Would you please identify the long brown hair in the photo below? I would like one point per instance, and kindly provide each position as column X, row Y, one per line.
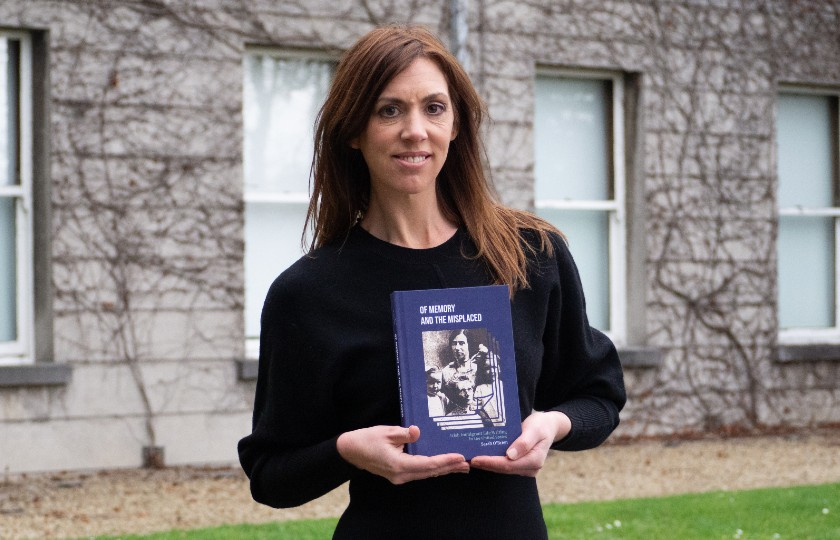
column 341, row 180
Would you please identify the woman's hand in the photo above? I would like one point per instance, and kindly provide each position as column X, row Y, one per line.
column 379, row 450
column 526, row 455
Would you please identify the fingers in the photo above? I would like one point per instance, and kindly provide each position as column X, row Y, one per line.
column 524, row 444
column 421, row 467
column 526, row 455
column 379, row 450
column 520, row 447
column 526, row 466
column 539, row 430
column 409, row 467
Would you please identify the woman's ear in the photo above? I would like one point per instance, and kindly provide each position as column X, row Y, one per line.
column 354, row 143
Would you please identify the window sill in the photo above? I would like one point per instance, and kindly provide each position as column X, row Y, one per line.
column 246, row 370
column 45, row 374
column 640, row 357
column 788, row 354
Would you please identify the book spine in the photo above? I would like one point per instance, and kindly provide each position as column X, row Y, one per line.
column 402, row 371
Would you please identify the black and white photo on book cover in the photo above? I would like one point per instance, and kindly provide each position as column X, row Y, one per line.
column 463, row 385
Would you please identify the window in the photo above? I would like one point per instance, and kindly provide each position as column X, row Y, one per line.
column 16, row 205
column 283, row 94
column 579, row 184
column 809, row 217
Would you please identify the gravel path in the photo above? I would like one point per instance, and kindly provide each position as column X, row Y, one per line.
column 73, row 505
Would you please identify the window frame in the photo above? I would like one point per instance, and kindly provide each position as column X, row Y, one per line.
column 252, row 344
column 813, row 335
column 21, row 350
column 617, row 205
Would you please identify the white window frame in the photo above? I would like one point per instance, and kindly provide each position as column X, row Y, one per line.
column 616, row 206
column 252, row 343
column 802, row 335
column 21, row 350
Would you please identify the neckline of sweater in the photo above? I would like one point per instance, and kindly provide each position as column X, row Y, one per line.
column 449, row 248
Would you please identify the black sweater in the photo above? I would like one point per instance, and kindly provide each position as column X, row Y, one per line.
column 327, row 365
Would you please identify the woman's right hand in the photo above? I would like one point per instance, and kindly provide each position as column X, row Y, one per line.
column 379, row 450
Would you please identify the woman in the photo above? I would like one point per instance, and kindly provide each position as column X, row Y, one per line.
column 400, row 202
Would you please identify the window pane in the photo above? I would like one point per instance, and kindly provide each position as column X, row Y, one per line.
column 272, row 240
column 806, row 272
column 588, row 241
column 805, row 153
column 282, row 99
column 571, row 134
column 8, row 271
column 9, row 69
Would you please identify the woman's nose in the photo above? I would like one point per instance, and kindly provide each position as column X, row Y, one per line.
column 414, row 128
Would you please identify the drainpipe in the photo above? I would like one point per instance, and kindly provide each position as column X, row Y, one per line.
column 458, row 31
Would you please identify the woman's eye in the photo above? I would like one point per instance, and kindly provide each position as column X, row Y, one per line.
column 389, row 111
column 436, row 108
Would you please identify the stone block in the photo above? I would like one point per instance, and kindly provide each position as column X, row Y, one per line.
column 709, row 69
column 89, row 128
column 510, row 146
column 153, row 236
column 324, row 34
column 718, row 283
column 28, row 403
column 101, row 443
column 104, row 336
column 114, row 390
column 680, row 323
column 203, row 438
column 164, row 182
column 708, row 155
column 806, row 376
column 618, row 21
column 695, row 110
column 799, row 408
column 510, row 101
column 93, row 285
column 710, row 197
column 675, row 238
column 515, row 188
column 503, row 57
column 121, row 79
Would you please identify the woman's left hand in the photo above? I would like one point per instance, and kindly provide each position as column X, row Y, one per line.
column 526, row 455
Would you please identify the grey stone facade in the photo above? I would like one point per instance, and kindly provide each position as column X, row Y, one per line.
column 139, row 283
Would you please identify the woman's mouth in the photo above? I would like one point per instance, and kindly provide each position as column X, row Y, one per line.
column 413, row 158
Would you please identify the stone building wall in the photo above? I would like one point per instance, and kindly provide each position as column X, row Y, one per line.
column 143, row 267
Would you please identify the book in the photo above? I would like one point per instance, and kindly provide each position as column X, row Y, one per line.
column 457, row 369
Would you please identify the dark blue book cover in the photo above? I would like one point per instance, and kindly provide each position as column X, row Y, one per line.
column 457, row 370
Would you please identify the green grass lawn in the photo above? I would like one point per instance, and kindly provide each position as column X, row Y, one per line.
column 808, row 512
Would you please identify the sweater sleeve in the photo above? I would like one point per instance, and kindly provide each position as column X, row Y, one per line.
column 291, row 455
column 582, row 375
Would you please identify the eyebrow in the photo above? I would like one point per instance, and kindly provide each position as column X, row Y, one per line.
column 430, row 97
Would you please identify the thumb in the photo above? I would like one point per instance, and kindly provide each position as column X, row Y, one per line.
column 406, row 435
column 514, row 452
column 518, row 448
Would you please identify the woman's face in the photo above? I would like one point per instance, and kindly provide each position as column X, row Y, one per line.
column 407, row 137
column 460, row 348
